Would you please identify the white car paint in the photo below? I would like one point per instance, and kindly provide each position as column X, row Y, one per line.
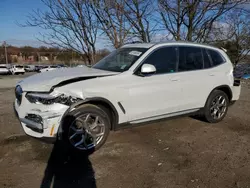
column 81, row 66
column 4, row 69
column 17, row 69
column 143, row 98
column 48, row 79
column 48, row 68
column 29, row 68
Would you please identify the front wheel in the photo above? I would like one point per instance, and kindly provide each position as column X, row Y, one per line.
column 86, row 128
column 216, row 106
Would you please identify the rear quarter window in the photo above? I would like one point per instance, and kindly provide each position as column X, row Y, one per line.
column 216, row 57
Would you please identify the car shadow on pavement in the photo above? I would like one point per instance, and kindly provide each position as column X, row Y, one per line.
column 68, row 168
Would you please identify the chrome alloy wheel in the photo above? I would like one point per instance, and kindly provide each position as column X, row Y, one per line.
column 218, row 107
column 86, row 131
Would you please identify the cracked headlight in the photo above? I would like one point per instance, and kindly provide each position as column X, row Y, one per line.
column 47, row 99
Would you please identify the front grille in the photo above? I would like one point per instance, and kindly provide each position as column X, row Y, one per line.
column 18, row 93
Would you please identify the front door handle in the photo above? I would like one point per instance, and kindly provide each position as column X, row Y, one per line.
column 211, row 74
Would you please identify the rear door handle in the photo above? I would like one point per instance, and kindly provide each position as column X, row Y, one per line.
column 211, row 74
column 174, row 79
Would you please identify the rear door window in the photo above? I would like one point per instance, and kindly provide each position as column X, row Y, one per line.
column 190, row 58
column 207, row 62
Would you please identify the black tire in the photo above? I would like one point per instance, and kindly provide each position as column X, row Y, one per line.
column 80, row 112
column 211, row 102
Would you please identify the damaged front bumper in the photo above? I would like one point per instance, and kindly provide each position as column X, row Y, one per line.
column 38, row 120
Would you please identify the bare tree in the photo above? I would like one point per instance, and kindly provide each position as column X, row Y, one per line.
column 238, row 22
column 193, row 20
column 140, row 14
column 69, row 24
column 125, row 20
column 113, row 22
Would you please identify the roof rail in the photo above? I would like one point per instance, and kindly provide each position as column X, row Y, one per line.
column 133, row 42
column 223, row 49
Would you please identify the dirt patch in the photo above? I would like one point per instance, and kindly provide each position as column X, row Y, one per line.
column 177, row 153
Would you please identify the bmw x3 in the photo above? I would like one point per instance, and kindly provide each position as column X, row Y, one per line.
column 135, row 84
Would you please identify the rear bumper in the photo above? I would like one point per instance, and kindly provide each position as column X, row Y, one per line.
column 236, row 89
column 4, row 72
column 18, row 71
column 236, row 82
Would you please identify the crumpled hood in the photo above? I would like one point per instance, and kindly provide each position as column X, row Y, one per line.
column 43, row 82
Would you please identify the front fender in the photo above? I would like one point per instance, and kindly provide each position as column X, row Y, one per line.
column 90, row 100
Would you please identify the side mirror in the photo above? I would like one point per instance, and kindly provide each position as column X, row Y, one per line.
column 148, row 68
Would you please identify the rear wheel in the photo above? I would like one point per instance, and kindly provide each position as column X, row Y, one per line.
column 86, row 128
column 216, row 106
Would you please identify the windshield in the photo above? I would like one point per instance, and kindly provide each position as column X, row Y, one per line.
column 120, row 60
column 19, row 66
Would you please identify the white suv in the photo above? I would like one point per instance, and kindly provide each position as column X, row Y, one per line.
column 135, row 84
column 17, row 69
column 4, row 69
